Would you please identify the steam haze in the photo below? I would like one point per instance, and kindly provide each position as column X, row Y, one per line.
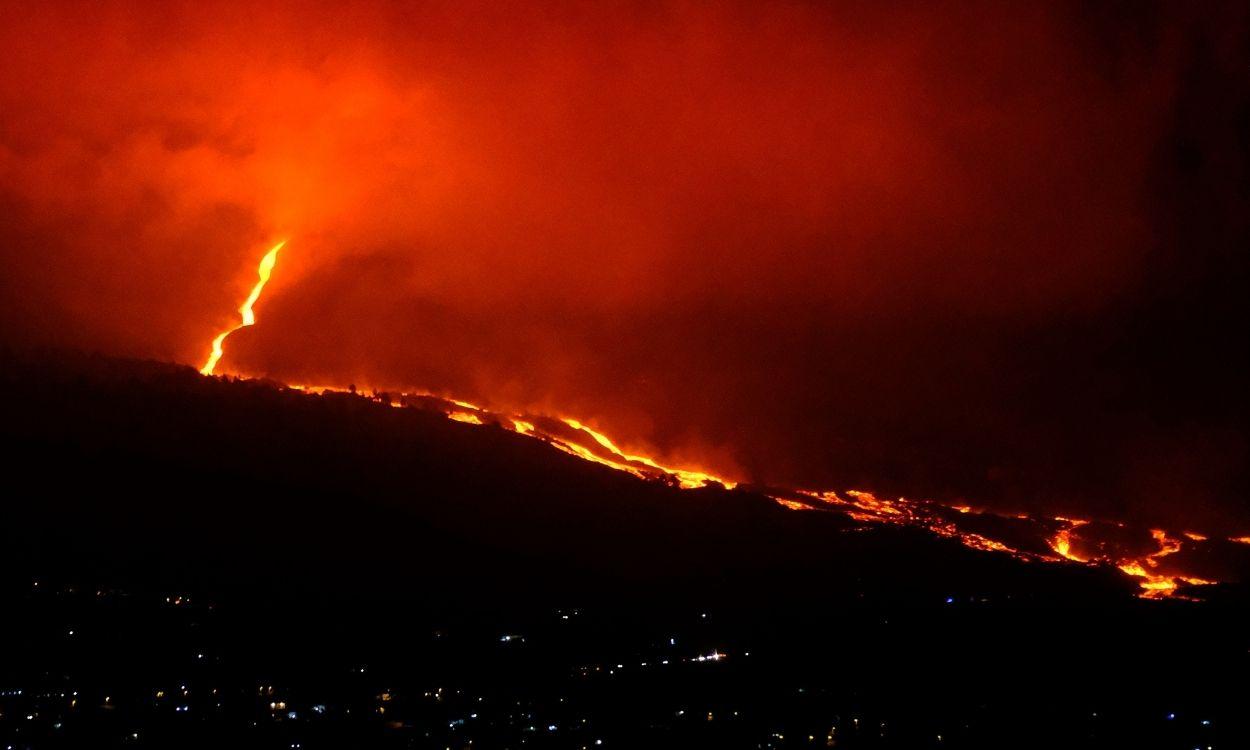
column 985, row 251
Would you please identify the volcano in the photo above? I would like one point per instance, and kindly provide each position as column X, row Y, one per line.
column 627, row 374
column 518, row 490
column 349, row 523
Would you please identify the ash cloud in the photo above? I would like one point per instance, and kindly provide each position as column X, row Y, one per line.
column 963, row 250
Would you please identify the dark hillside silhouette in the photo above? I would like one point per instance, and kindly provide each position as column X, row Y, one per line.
column 250, row 486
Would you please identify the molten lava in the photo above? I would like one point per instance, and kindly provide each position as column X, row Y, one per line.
column 1144, row 568
column 1058, row 539
column 1062, row 543
column 245, row 310
column 687, row 478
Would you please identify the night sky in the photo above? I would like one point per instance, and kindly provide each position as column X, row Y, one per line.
column 987, row 251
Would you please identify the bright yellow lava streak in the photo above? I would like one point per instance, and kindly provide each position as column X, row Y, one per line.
column 686, row 478
column 245, row 310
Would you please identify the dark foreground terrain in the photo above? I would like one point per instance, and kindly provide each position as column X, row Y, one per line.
column 191, row 562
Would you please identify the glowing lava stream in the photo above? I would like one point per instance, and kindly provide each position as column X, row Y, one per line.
column 864, row 507
column 1154, row 585
column 686, row 478
column 245, row 310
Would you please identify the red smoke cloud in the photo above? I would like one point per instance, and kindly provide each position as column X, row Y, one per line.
column 818, row 245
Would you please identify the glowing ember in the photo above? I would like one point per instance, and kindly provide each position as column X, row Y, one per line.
column 245, row 310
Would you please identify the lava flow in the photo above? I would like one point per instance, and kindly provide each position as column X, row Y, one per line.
column 1026, row 538
column 1145, row 568
column 245, row 310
